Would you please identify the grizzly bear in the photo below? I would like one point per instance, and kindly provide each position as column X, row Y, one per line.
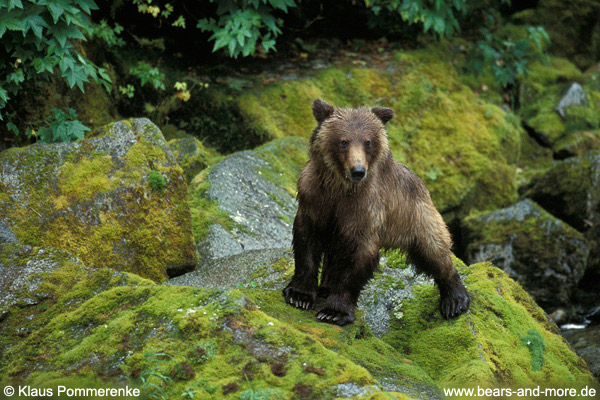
column 353, row 199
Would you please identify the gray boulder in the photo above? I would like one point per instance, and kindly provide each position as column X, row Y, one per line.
column 574, row 96
column 254, row 191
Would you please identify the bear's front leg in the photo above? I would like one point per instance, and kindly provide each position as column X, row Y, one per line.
column 350, row 268
column 301, row 292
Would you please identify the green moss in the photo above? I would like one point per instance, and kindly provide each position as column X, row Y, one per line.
column 156, row 181
column 542, row 91
column 95, row 324
column 179, row 339
column 85, row 178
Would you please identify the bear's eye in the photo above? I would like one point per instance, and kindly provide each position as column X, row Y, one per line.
column 344, row 144
column 367, row 144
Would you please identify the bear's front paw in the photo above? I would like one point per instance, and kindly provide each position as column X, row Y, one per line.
column 331, row 316
column 455, row 300
column 338, row 309
column 299, row 297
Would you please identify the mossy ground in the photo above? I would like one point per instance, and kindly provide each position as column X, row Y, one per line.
column 94, row 327
column 463, row 148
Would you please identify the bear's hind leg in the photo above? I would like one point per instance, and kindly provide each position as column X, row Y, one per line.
column 346, row 274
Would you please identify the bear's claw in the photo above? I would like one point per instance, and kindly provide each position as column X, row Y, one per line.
column 334, row 317
column 299, row 298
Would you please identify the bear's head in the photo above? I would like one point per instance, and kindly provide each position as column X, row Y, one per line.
column 350, row 141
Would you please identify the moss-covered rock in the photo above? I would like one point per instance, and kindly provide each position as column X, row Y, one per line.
column 578, row 128
column 586, row 342
column 462, row 147
column 401, row 337
column 247, row 201
column 94, row 199
column 570, row 190
column 100, row 327
column 191, row 155
column 542, row 253
column 505, row 340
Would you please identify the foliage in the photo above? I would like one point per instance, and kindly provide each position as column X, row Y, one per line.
column 63, row 127
column 507, row 57
column 437, row 15
column 148, row 75
column 243, row 24
column 110, row 35
column 153, row 378
column 37, row 41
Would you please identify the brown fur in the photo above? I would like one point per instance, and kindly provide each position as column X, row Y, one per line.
column 344, row 222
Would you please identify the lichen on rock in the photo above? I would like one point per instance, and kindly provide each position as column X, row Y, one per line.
column 93, row 198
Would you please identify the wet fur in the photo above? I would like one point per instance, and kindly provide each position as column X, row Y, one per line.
column 343, row 224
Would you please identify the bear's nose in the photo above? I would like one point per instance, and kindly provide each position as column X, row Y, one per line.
column 357, row 173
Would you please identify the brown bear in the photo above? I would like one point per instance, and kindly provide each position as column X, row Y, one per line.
column 353, row 199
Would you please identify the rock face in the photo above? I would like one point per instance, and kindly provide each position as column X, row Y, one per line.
column 6, row 234
column 95, row 199
column 254, row 191
column 570, row 190
column 21, row 272
column 542, row 253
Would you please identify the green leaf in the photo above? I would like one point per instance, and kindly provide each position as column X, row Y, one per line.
column 37, row 24
column 3, row 96
column 14, row 4
column 56, row 11
column 87, row 5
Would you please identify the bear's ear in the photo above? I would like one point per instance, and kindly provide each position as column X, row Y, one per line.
column 384, row 114
column 321, row 110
